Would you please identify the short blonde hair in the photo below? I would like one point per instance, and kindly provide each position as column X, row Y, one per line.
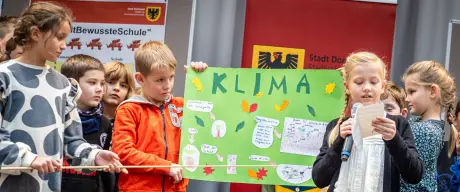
column 359, row 58
column 154, row 55
column 115, row 70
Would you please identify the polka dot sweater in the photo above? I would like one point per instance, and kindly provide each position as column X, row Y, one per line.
column 39, row 118
column 428, row 137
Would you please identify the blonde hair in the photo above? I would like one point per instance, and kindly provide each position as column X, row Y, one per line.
column 432, row 72
column 154, row 55
column 398, row 94
column 359, row 58
column 115, row 70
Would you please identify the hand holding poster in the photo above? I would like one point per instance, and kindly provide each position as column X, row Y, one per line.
column 257, row 126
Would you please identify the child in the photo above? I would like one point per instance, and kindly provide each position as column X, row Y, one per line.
column 147, row 127
column 431, row 96
column 449, row 167
column 394, row 99
column 387, row 157
column 120, row 86
column 89, row 73
column 40, row 122
column 12, row 50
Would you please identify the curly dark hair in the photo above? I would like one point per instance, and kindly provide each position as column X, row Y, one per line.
column 46, row 16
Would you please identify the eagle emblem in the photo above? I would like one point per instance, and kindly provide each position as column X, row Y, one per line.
column 265, row 61
column 270, row 57
column 152, row 13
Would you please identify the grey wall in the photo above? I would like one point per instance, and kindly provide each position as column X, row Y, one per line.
column 218, row 34
column 14, row 7
column 421, row 33
column 454, row 56
column 177, row 37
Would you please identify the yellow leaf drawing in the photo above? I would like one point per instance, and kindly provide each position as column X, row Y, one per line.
column 252, row 174
column 329, row 88
column 260, row 94
column 197, row 83
column 284, row 104
column 245, row 106
column 277, row 107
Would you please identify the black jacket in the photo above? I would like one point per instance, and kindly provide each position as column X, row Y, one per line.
column 97, row 181
column 401, row 159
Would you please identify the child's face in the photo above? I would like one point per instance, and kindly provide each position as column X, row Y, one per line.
column 365, row 83
column 419, row 98
column 157, row 86
column 92, row 84
column 16, row 52
column 117, row 90
column 52, row 44
column 391, row 107
column 456, row 121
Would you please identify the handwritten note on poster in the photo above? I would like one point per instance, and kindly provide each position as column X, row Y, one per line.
column 301, row 136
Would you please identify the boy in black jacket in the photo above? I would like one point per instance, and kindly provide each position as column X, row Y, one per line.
column 89, row 72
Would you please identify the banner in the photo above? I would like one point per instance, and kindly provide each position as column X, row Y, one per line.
column 257, row 126
column 317, row 34
column 112, row 30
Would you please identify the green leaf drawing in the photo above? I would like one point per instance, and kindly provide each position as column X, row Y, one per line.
column 239, row 126
column 311, row 110
column 199, row 121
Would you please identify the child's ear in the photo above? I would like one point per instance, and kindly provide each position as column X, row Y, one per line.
column 139, row 78
column 434, row 91
column 404, row 112
column 34, row 33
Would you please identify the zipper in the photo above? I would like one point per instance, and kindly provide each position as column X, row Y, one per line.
column 166, row 144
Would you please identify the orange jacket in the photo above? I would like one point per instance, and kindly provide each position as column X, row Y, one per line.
column 145, row 134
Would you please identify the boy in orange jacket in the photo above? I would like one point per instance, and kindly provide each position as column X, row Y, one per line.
column 147, row 127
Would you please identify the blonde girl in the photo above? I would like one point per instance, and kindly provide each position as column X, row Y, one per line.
column 431, row 98
column 380, row 160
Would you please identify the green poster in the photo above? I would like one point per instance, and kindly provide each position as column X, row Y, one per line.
column 256, row 125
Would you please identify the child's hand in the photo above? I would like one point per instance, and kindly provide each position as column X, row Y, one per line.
column 111, row 159
column 45, row 165
column 345, row 128
column 197, row 66
column 176, row 173
column 384, row 126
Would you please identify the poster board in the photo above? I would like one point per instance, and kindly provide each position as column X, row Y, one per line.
column 269, row 123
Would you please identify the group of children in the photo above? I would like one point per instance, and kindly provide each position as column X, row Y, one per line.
column 90, row 114
column 408, row 155
column 52, row 119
